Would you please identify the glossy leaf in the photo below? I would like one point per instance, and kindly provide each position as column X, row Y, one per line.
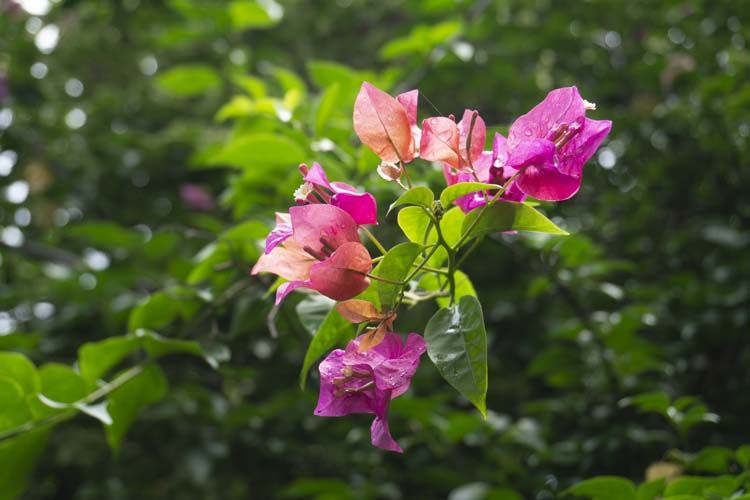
column 335, row 331
column 430, row 282
column 420, row 196
column 452, row 193
column 509, row 216
column 457, row 345
column 395, row 266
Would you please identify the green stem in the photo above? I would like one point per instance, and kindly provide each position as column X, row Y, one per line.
column 484, row 209
column 374, row 240
column 451, row 257
column 385, row 280
column 102, row 391
column 473, row 247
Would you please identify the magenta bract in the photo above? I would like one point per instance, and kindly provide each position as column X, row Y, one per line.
column 317, row 247
column 365, row 382
column 318, row 189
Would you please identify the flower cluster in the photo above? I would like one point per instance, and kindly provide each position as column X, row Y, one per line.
column 316, row 244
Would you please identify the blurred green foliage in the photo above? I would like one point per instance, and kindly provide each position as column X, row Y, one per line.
column 617, row 360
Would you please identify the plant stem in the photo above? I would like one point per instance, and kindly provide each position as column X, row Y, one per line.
column 451, row 257
column 104, row 390
column 385, row 280
column 485, row 208
column 374, row 240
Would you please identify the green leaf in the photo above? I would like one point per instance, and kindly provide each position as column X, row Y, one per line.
column 452, row 193
column 246, row 14
column 163, row 308
column 395, row 266
column 604, row 488
column 17, row 459
column 326, row 107
column 62, row 384
column 457, row 345
column 252, row 151
column 420, row 196
column 96, row 359
column 157, row 346
column 421, row 40
column 712, row 459
column 189, row 80
column 106, row 235
column 19, row 369
column 451, row 224
column 333, row 332
column 508, row 216
column 743, row 456
column 414, row 222
column 430, row 282
column 312, row 311
column 650, row 490
column 721, row 486
column 656, row 401
column 146, row 388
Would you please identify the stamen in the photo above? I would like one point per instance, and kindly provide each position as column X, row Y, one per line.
column 355, row 390
column 314, row 253
column 328, row 247
column 589, row 106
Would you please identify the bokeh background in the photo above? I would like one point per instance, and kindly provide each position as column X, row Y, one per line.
column 144, row 146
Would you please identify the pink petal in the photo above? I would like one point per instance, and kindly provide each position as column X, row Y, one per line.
column 382, row 124
column 341, row 276
column 288, row 261
column 280, row 233
column 548, row 184
column 478, row 137
column 440, row 138
column 361, row 206
column 381, row 435
column 499, row 150
column 316, row 175
column 409, row 101
column 330, row 405
column 288, row 287
column 311, row 223
column 583, row 145
column 539, row 152
column 561, row 106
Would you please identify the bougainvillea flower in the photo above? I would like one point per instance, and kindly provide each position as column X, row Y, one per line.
column 323, row 252
column 491, row 168
column 446, row 141
column 352, row 381
column 551, row 143
column 317, row 189
column 384, row 123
